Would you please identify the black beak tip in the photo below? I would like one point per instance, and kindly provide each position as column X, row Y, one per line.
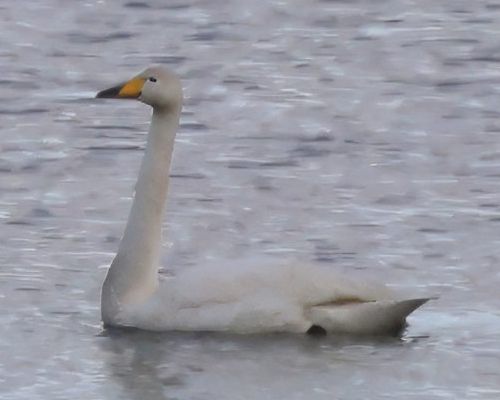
column 110, row 93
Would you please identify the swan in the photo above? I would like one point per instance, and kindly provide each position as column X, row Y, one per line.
column 241, row 299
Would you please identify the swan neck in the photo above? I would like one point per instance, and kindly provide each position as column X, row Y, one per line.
column 133, row 275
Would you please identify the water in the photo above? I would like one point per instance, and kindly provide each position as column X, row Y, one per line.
column 361, row 134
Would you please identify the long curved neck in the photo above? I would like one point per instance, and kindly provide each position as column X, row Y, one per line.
column 133, row 275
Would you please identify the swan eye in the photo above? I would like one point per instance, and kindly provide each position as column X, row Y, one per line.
column 151, row 79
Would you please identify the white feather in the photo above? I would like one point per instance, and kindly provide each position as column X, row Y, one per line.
column 240, row 298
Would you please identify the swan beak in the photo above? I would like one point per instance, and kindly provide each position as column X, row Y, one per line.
column 128, row 90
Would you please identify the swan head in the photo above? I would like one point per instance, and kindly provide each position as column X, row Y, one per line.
column 155, row 86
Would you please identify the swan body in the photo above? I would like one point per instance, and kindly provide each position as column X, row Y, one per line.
column 244, row 299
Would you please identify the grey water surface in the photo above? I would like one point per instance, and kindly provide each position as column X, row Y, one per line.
column 364, row 135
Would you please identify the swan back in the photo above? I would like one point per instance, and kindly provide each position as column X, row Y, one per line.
column 269, row 297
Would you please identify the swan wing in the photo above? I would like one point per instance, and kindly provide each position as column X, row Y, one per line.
column 275, row 298
column 379, row 317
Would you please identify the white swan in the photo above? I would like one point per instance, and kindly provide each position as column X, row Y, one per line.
column 262, row 298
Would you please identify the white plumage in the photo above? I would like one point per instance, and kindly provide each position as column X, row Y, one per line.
column 240, row 298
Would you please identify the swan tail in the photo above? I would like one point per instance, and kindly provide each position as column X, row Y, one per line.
column 382, row 317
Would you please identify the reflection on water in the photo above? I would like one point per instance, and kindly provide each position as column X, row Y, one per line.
column 363, row 134
column 168, row 365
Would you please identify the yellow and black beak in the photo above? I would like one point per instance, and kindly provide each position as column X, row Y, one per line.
column 128, row 90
